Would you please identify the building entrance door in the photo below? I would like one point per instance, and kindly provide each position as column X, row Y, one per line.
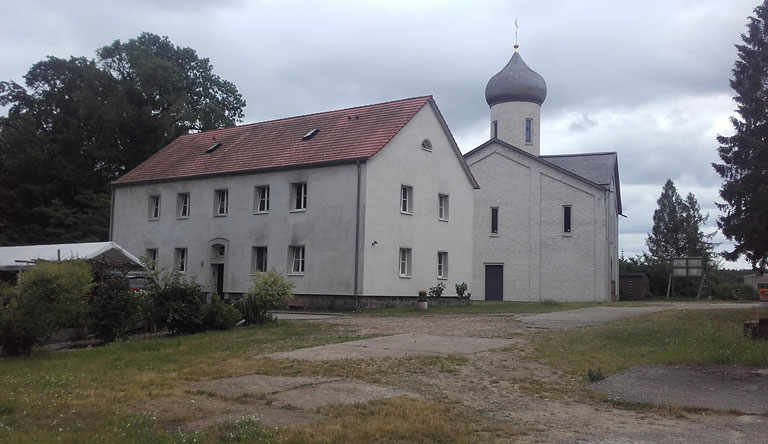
column 494, row 282
column 218, row 277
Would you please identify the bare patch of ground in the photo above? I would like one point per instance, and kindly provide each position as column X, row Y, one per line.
column 502, row 387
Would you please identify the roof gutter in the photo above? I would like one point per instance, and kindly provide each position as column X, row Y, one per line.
column 357, row 237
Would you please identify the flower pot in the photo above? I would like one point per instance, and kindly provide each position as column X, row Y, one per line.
column 423, row 305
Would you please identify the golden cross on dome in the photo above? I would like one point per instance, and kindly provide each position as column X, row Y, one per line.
column 516, row 45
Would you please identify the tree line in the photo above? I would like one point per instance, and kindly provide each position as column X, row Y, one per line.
column 77, row 124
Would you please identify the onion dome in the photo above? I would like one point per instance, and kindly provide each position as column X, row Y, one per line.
column 516, row 82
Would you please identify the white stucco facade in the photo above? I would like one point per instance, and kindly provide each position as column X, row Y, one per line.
column 510, row 118
column 327, row 229
column 539, row 259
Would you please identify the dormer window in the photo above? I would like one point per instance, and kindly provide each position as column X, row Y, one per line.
column 426, row 145
column 310, row 134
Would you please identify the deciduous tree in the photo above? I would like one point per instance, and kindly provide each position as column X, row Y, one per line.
column 78, row 124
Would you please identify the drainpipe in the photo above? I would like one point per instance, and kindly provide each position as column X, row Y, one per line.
column 111, row 212
column 357, row 237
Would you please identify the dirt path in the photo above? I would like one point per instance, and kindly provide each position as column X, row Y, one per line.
column 507, row 386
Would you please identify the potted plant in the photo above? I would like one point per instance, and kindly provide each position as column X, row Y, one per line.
column 422, row 300
column 462, row 293
column 437, row 290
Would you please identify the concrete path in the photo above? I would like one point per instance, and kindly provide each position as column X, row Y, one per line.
column 602, row 315
column 716, row 387
column 291, row 316
column 406, row 344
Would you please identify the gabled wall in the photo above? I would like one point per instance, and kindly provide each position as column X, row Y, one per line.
column 404, row 162
column 540, row 261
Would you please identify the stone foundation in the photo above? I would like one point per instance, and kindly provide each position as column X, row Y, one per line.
column 347, row 303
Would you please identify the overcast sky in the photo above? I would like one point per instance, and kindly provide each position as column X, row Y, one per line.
column 647, row 79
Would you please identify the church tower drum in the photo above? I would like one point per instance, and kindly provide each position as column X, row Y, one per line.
column 515, row 95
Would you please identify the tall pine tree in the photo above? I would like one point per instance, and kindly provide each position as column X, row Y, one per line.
column 744, row 166
column 676, row 228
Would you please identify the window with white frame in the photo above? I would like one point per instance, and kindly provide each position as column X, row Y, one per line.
column 566, row 218
column 182, row 205
column 180, row 260
column 442, row 265
column 221, row 203
column 494, row 221
column 442, row 206
column 151, row 257
column 261, row 199
column 406, row 199
column 299, row 196
column 154, row 207
column 405, row 262
column 296, row 258
column 259, row 259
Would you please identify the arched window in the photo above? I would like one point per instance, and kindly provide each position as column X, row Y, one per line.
column 426, row 145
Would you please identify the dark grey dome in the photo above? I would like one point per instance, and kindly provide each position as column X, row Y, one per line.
column 516, row 82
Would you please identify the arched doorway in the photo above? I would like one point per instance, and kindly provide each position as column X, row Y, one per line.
column 219, row 248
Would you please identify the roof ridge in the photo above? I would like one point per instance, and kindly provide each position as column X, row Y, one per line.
column 599, row 153
column 308, row 115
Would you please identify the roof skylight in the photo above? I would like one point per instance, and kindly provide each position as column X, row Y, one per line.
column 310, row 134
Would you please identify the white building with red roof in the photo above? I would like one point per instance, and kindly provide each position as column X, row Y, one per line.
column 361, row 204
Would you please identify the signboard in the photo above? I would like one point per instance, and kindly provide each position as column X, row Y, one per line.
column 687, row 266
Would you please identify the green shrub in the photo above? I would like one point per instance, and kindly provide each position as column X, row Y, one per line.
column 437, row 290
column 50, row 295
column 461, row 291
column 113, row 309
column 178, row 304
column 218, row 315
column 269, row 291
column 732, row 291
column 595, row 375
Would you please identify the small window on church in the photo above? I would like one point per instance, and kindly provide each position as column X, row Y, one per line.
column 426, row 145
column 495, row 129
column 528, row 130
column 566, row 218
column 494, row 221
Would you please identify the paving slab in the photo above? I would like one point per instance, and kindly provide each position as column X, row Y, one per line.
column 584, row 317
column 402, row 345
column 716, row 387
column 256, row 384
column 336, row 392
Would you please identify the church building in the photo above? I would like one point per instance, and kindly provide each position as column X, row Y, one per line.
column 368, row 205
column 545, row 226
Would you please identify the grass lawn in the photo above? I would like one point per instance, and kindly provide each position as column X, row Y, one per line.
column 481, row 307
column 685, row 337
column 99, row 394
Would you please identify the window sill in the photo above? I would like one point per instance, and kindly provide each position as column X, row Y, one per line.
column 153, row 219
column 182, row 217
column 219, row 215
column 295, row 274
column 298, row 210
column 493, row 235
column 567, row 234
column 442, row 220
column 261, row 212
column 442, row 278
column 429, row 151
column 402, row 276
column 406, row 213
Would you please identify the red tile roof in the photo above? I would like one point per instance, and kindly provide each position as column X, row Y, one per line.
column 345, row 135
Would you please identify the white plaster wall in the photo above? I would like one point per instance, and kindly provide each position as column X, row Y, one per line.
column 511, row 128
column 540, row 261
column 403, row 162
column 326, row 229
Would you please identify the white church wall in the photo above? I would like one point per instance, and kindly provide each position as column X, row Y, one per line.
column 511, row 118
column 404, row 162
column 540, row 261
